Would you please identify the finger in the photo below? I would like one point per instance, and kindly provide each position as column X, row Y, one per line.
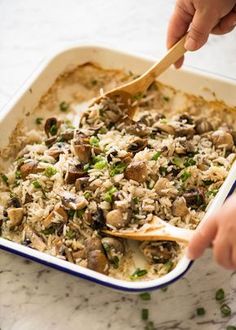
column 202, row 238
column 226, row 24
column 222, row 251
column 202, row 24
column 179, row 63
column 233, row 258
column 178, row 26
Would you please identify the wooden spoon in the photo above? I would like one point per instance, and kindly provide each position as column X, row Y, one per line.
column 127, row 92
column 156, row 230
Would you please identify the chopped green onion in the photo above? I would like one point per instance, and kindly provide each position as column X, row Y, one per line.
column 94, row 141
column 36, row 184
column 225, row 310
column 115, row 262
column 53, row 130
column 145, row 296
column 48, row 231
column 117, row 169
column 109, row 194
column 106, row 247
column 201, row 311
column 86, row 167
column 169, row 265
column 164, row 289
column 189, row 162
column 220, row 294
column 156, row 155
column 70, row 234
column 212, row 192
column 144, row 314
column 18, row 175
column 102, row 130
column 208, row 182
column 138, row 273
column 231, row 327
column 64, row 106
column 71, row 213
column 87, row 194
column 80, row 213
column 38, row 121
column 50, row 171
column 4, row 178
column 135, row 200
column 163, row 170
column 185, row 176
column 101, row 164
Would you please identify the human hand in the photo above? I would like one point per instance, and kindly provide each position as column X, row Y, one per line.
column 201, row 17
column 220, row 230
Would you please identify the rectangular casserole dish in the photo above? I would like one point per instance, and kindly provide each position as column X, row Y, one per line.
column 188, row 80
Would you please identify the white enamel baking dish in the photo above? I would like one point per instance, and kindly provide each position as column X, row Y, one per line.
column 27, row 97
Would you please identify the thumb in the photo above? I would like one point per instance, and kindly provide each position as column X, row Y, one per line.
column 202, row 24
column 202, row 238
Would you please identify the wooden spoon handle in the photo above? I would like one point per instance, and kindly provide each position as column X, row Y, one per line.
column 144, row 81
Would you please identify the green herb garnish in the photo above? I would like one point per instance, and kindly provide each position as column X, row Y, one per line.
column 108, row 197
column 231, row 327
column 70, row 234
column 64, row 106
column 163, row 170
column 115, row 262
column 225, row 310
column 36, row 184
column 144, row 314
column 138, row 273
column 94, row 141
column 117, row 169
column 94, row 82
column 135, row 200
column 177, row 161
column 100, row 165
column 53, row 130
column 145, row 296
column 38, row 121
column 220, row 294
column 207, row 182
column 164, row 289
column 189, row 162
column 18, row 175
column 185, row 176
column 48, row 231
column 102, row 130
column 156, row 155
column 80, row 213
column 86, row 167
column 200, row 311
column 87, row 194
column 169, row 265
column 212, row 192
column 50, row 171
column 71, row 213
column 166, row 98
column 149, row 326
column 4, row 178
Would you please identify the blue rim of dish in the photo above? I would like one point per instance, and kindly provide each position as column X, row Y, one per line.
column 100, row 282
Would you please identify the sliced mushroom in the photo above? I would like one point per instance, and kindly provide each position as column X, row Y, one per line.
column 159, row 252
column 67, row 135
column 81, row 183
column 179, row 207
column 203, row 126
column 164, row 128
column 186, row 118
column 30, row 167
column 116, row 218
column 97, row 261
column 68, row 255
column 185, row 130
column 194, row 198
column 80, row 254
column 36, row 241
column 51, row 126
column 14, row 202
column 57, row 149
column 147, row 119
column 184, row 147
column 50, row 141
column 82, row 151
column 16, row 216
column 74, row 173
column 73, row 201
column 165, row 187
column 57, row 211
column 137, row 145
column 222, row 139
column 137, row 128
column 137, row 171
column 93, row 243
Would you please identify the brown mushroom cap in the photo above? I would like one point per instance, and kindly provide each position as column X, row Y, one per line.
column 137, row 171
column 112, row 246
column 15, row 216
column 116, row 218
column 203, row 126
column 49, row 124
column 93, row 243
column 165, row 128
column 74, row 173
column 222, row 139
column 159, row 252
column 82, row 151
column 28, row 168
column 137, row 145
column 97, row 261
column 179, row 207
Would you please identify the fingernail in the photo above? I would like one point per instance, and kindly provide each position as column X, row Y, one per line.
column 189, row 255
column 190, row 44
